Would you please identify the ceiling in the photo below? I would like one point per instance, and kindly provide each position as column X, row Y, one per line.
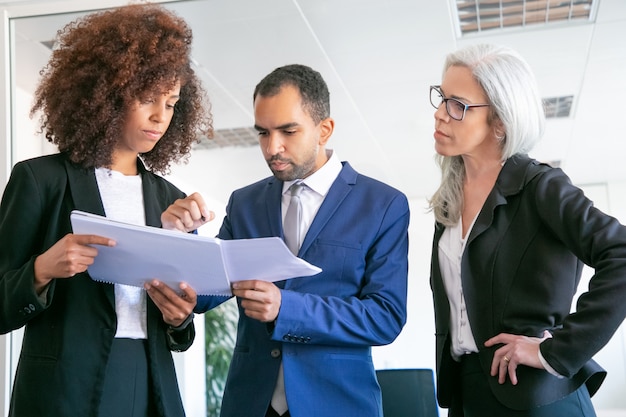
column 379, row 59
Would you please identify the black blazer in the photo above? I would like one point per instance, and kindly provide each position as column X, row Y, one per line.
column 67, row 341
column 520, row 271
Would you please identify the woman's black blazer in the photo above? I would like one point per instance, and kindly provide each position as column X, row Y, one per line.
column 67, row 339
column 520, row 271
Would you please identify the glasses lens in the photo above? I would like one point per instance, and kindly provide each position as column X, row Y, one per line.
column 435, row 97
column 455, row 108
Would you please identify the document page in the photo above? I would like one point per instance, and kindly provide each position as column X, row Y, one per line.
column 208, row 265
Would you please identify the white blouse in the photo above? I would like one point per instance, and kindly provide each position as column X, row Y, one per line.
column 451, row 248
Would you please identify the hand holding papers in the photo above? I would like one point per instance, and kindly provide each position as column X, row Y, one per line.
column 208, row 265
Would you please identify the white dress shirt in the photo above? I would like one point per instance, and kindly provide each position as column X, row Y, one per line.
column 312, row 196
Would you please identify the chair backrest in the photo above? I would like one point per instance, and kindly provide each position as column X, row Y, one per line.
column 408, row 392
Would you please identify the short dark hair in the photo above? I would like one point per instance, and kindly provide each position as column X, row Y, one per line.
column 102, row 64
column 312, row 87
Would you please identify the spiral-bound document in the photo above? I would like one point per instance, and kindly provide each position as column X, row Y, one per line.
column 208, row 265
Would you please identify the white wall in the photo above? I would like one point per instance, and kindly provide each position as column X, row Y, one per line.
column 415, row 347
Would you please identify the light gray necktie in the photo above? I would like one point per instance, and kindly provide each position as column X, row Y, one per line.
column 293, row 219
column 291, row 229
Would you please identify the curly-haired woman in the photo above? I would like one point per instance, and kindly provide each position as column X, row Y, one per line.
column 119, row 99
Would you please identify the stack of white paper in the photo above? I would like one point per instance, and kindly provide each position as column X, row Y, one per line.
column 207, row 264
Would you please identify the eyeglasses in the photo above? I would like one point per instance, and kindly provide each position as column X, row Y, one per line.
column 455, row 108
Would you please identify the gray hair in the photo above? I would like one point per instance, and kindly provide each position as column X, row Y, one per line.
column 511, row 89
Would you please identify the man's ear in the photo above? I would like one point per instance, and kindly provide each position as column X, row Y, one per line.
column 326, row 130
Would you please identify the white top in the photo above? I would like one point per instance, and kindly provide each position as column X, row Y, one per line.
column 122, row 198
column 451, row 248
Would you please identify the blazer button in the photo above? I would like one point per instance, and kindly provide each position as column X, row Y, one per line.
column 275, row 353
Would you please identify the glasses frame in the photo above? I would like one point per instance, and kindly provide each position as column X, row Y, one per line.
column 446, row 100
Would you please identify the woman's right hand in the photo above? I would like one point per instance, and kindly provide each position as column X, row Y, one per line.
column 71, row 255
column 186, row 214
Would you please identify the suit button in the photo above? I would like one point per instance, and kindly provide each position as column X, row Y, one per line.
column 275, row 353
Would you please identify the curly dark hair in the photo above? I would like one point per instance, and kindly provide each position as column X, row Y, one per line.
column 312, row 87
column 104, row 62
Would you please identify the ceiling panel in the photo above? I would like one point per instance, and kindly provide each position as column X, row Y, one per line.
column 379, row 57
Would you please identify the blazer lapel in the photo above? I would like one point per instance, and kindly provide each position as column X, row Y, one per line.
column 337, row 193
column 84, row 189
column 151, row 205
column 86, row 196
column 273, row 201
column 272, row 197
column 509, row 182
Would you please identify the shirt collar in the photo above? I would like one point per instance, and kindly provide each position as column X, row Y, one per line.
column 322, row 179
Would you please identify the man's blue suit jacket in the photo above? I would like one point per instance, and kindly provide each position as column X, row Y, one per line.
column 328, row 322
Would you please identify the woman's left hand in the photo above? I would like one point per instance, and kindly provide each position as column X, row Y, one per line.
column 175, row 307
column 517, row 350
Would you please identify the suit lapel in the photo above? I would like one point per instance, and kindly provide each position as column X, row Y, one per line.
column 84, row 189
column 273, row 200
column 333, row 200
column 151, row 204
column 510, row 181
column 485, row 217
column 86, row 197
column 481, row 285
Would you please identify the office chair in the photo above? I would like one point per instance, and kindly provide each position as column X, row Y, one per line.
column 408, row 392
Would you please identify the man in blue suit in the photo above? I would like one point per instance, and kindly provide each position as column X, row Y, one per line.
column 304, row 345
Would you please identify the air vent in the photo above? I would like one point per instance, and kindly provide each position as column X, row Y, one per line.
column 480, row 15
column 558, row 106
column 237, row 137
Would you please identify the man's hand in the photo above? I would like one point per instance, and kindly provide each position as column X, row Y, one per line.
column 187, row 214
column 174, row 307
column 260, row 299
